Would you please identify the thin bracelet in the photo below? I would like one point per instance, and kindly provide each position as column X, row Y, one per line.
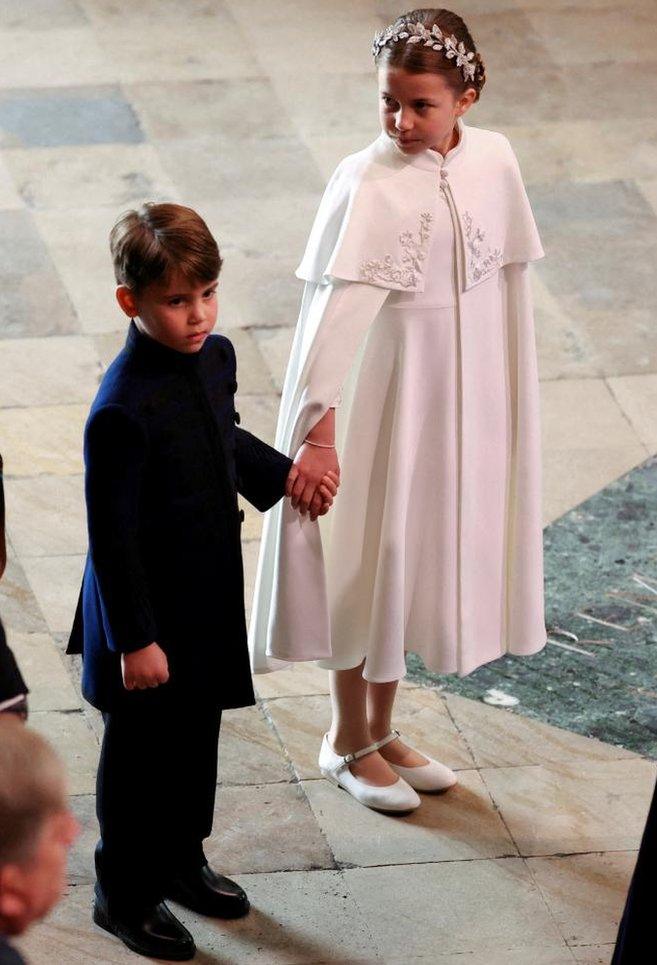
column 320, row 445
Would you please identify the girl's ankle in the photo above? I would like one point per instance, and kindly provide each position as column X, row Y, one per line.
column 379, row 731
column 348, row 743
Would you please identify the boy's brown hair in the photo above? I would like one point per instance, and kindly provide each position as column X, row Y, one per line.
column 32, row 788
column 150, row 244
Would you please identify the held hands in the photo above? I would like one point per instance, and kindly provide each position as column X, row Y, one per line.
column 313, row 480
column 144, row 668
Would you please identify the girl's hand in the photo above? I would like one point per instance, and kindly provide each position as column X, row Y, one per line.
column 311, row 465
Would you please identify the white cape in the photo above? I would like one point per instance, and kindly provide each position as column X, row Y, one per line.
column 373, row 229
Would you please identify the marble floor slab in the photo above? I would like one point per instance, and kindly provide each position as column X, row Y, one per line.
column 301, row 680
column 585, row 151
column 46, row 515
column 459, row 825
column 40, row 14
column 443, row 901
column 571, row 476
column 9, row 198
column 496, row 956
column 271, row 227
column 631, row 40
column 321, row 112
column 585, row 893
column 258, row 413
column 637, row 397
column 275, row 345
column 32, row 299
column 334, row 49
column 117, row 175
column 259, row 291
column 82, row 258
column 175, row 110
column 267, row 165
column 266, row 828
column 564, row 350
column 67, row 115
column 43, row 440
column 68, row 371
column 602, row 246
column 252, row 372
column 501, row 33
column 55, row 582
column 583, row 414
column 500, row 738
column 29, row 59
column 203, row 50
column 327, row 150
column 570, row 808
column 41, row 664
column 249, row 753
column 70, row 735
column 594, row 954
column 297, row 917
column 18, row 605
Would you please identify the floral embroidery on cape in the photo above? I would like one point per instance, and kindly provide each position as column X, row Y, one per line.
column 413, row 253
column 478, row 263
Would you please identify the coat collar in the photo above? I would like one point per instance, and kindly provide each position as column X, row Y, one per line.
column 155, row 355
column 429, row 160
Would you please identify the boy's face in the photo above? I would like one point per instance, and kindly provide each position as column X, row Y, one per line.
column 29, row 890
column 179, row 313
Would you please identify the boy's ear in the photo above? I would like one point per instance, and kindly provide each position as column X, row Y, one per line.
column 126, row 299
column 12, row 902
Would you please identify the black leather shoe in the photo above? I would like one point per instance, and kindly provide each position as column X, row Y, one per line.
column 206, row 892
column 155, row 934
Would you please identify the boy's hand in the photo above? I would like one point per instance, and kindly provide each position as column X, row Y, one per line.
column 310, row 468
column 324, row 496
column 144, row 668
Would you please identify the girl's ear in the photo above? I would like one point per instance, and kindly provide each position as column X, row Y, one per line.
column 465, row 102
column 126, row 299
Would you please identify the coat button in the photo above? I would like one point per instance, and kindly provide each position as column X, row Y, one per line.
column 443, row 174
column 241, row 515
column 237, row 417
column 233, row 387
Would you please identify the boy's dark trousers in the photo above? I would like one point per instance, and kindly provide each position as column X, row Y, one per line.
column 155, row 795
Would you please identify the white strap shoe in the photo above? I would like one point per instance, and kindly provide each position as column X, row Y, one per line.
column 432, row 776
column 397, row 797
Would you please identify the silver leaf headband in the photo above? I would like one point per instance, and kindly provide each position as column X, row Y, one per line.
column 417, row 33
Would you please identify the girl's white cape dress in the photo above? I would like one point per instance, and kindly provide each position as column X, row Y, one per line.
column 371, row 237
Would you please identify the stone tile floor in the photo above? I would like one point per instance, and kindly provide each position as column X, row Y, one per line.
column 243, row 107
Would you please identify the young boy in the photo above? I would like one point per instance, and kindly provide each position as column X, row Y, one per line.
column 161, row 620
column 36, row 831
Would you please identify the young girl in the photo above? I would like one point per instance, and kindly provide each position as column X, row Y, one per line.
column 417, row 312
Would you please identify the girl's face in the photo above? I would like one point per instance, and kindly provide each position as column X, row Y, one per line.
column 419, row 111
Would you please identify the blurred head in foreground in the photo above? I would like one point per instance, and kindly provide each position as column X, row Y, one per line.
column 36, row 827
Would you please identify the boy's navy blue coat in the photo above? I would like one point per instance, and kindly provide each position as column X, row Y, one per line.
column 164, row 460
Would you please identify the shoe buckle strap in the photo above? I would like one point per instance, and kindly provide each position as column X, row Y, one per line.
column 356, row 755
